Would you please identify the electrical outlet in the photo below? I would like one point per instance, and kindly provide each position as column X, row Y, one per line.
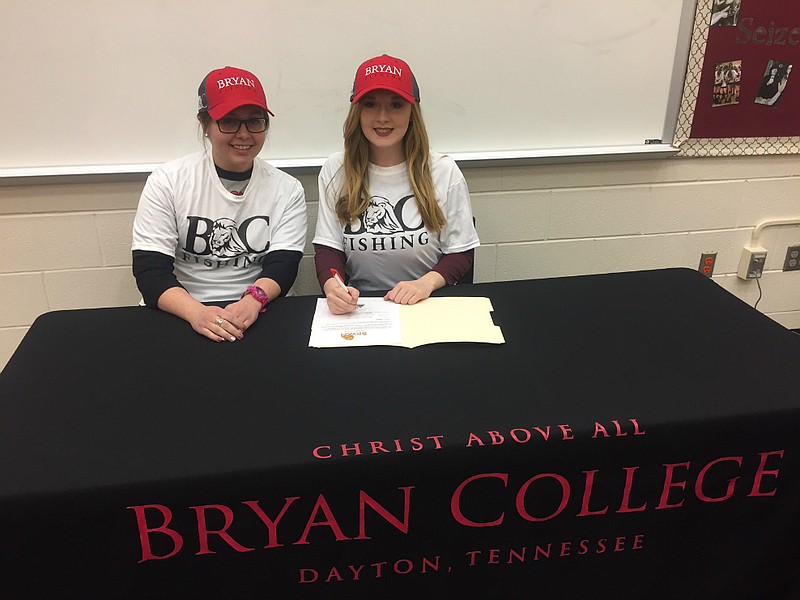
column 707, row 262
column 751, row 265
column 792, row 262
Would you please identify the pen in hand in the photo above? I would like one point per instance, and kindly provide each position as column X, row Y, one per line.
column 335, row 274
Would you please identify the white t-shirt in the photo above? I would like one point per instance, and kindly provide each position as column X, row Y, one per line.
column 389, row 243
column 218, row 239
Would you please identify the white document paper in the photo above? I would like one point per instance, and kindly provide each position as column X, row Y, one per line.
column 382, row 323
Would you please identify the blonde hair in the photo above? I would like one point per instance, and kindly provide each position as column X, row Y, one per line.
column 353, row 197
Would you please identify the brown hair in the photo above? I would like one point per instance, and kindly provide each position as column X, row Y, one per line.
column 354, row 198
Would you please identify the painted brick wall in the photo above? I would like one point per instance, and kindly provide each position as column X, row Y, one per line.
column 67, row 245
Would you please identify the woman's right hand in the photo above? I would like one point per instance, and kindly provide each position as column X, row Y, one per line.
column 216, row 323
column 340, row 302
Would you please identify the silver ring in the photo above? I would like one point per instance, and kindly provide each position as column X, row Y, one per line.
column 219, row 321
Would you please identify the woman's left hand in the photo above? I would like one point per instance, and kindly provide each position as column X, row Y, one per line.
column 411, row 292
column 247, row 309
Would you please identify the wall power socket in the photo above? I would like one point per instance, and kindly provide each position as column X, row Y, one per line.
column 792, row 261
column 751, row 265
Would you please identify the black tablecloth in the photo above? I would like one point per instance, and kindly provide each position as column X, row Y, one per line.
column 635, row 436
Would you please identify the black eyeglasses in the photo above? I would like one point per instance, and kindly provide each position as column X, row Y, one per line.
column 231, row 125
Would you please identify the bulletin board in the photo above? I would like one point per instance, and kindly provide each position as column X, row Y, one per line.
column 742, row 88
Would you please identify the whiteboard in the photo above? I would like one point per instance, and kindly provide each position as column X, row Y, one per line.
column 108, row 86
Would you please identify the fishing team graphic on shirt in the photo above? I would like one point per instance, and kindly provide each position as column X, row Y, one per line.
column 387, row 226
column 225, row 239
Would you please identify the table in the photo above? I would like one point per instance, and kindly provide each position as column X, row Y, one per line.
column 635, row 436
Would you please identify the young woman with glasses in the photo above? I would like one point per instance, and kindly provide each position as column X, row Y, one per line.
column 393, row 215
column 220, row 233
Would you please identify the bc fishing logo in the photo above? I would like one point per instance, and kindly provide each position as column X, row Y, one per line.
column 223, row 238
column 386, row 227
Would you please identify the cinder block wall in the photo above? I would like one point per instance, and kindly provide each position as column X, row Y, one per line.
column 66, row 245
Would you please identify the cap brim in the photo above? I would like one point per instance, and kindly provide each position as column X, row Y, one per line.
column 223, row 108
column 367, row 90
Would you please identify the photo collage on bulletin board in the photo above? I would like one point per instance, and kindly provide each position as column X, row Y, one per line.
column 739, row 96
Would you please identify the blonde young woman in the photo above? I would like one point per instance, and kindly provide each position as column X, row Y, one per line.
column 393, row 215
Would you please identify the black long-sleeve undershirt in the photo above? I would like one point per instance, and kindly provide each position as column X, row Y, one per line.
column 154, row 272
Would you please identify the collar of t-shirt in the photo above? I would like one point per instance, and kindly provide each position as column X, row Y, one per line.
column 235, row 183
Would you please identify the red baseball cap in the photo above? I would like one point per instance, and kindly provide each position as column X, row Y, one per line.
column 224, row 90
column 385, row 73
